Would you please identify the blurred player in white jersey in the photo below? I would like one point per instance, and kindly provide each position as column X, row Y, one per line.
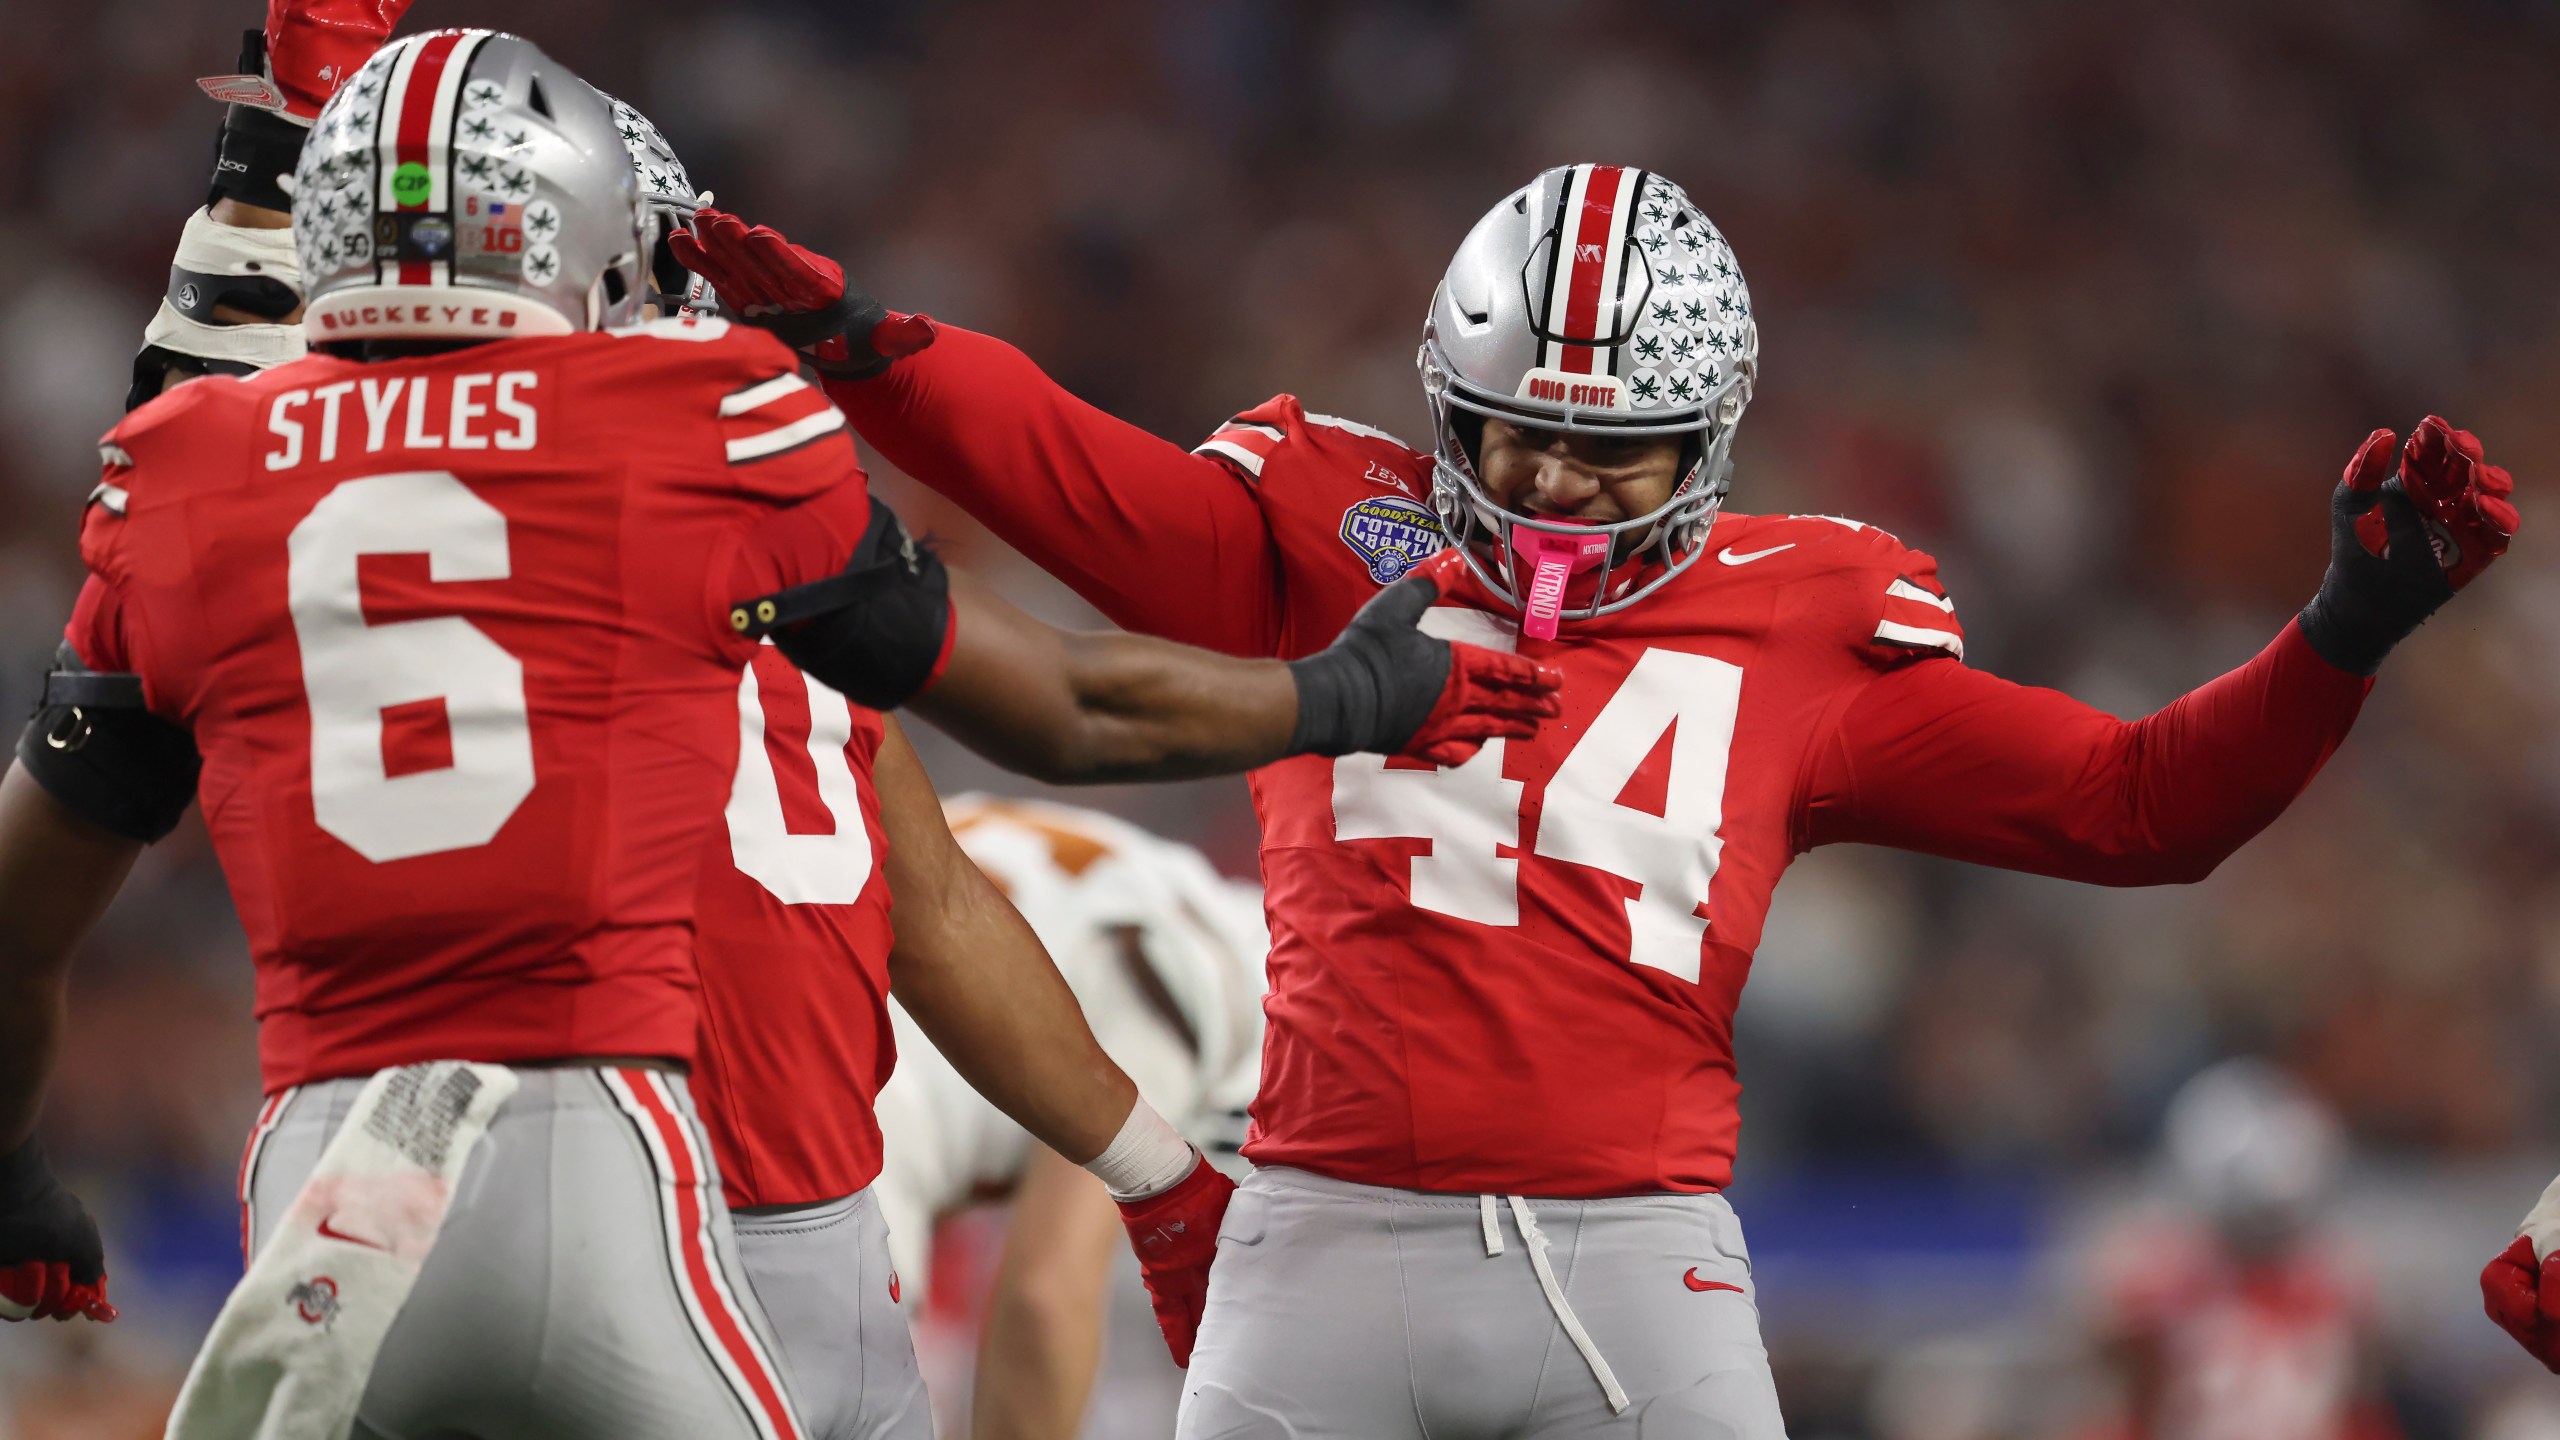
column 1165, row 956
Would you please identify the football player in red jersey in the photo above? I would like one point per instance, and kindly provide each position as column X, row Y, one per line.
column 1498, row 1094
column 407, row 807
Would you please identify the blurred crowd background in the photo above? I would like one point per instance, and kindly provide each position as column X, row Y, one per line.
column 2091, row 301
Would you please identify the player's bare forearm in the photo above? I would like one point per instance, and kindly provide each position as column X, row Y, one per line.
column 1944, row 759
column 970, row 971
column 1043, row 1338
column 1089, row 708
column 57, row 873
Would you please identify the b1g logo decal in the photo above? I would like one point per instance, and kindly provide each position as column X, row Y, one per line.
column 1391, row 535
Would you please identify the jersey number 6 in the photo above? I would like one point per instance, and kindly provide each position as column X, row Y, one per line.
column 353, row 671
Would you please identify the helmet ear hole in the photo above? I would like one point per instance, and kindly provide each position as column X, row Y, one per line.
column 536, row 100
column 615, row 291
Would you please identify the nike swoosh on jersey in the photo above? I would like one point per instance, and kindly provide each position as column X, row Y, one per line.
column 1730, row 557
column 332, row 1232
column 1691, row 1279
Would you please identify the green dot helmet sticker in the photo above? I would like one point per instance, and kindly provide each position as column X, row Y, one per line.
column 409, row 184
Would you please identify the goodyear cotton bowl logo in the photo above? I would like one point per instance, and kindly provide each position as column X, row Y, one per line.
column 1391, row 535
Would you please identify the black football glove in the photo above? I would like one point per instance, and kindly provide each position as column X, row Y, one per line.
column 52, row 1265
column 1384, row 686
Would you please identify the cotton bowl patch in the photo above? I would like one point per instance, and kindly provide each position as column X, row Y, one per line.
column 1391, row 535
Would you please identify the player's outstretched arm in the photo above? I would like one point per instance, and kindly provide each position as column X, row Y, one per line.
column 1042, row 1343
column 57, row 873
column 895, row 627
column 1162, row 540
column 1080, row 708
column 1943, row 759
column 970, row 971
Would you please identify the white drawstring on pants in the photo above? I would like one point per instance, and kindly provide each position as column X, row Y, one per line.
column 1536, row 1240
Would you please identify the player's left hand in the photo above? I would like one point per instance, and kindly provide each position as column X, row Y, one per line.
column 1384, row 686
column 798, row 294
column 2401, row 545
column 1176, row 1237
column 52, row 1265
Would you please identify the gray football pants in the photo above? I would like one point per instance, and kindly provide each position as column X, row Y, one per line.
column 585, row 1286
column 823, row 1274
column 1351, row 1312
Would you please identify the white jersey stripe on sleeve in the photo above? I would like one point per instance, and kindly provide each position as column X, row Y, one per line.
column 756, row 396
column 784, row 437
column 1902, row 589
column 1894, row 632
column 1232, row 451
column 1369, row 432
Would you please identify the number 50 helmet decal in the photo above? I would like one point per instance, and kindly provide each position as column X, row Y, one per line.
column 464, row 185
column 1595, row 299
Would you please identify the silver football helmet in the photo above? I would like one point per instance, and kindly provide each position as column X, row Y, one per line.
column 668, row 194
column 1595, row 298
column 463, row 185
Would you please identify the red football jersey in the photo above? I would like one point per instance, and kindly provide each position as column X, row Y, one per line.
column 793, row 935
column 1519, row 974
column 451, row 635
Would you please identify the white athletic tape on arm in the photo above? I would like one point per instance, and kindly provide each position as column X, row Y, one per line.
column 1148, row 1156
column 2542, row 1223
column 291, row 1351
column 212, row 248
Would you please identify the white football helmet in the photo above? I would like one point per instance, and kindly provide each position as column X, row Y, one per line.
column 2252, row 1147
column 1595, row 298
column 465, row 186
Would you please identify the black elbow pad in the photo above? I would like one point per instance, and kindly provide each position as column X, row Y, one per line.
column 94, row 748
column 878, row 630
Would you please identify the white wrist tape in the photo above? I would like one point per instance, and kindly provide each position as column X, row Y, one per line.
column 2542, row 1223
column 1147, row 1157
column 208, row 247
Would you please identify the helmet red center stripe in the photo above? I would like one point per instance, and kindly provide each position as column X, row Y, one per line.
column 417, row 127
column 1592, row 232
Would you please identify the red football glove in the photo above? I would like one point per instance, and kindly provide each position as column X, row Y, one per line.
column 2466, row 503
column 311, row 48
column 1176, row 1237
column 2523, row 1297
column 44, row 1290
column 798, row 294
column 1489, row 696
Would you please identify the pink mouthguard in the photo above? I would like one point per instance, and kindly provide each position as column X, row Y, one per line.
column 1557, row 559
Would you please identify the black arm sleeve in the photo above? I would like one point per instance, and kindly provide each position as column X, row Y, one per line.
column 878, row 630
column 94, row 748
